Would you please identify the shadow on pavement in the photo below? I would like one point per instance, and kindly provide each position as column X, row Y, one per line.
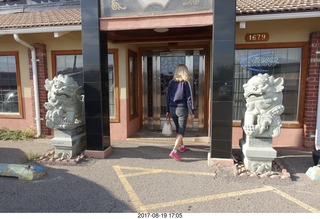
column 12, row 156
column 295, row 162
column 193, row 153
column 56, row 192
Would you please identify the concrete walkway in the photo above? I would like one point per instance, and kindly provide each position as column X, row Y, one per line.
column 140, row 177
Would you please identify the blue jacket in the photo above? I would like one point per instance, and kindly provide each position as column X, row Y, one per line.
column 179, row 94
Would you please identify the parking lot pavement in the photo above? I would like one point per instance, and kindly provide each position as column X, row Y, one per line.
column 140, row 177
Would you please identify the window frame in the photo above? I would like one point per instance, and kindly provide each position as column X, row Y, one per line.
column 54, row 53
column 134, row 55
column 115, row 119
column 304, row 65
column 18, row 115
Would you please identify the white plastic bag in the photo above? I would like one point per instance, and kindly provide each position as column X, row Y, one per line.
column 314, row 173
column 167, row 128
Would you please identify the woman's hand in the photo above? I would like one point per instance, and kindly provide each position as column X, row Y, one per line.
column 168, row 115
column 191, row 117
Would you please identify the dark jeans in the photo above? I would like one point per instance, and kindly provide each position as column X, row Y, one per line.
column 179, row 116
column 316, row 157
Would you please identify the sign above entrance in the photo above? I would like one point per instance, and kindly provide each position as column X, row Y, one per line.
column 125, row 8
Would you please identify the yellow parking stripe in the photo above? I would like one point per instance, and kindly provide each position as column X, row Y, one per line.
column 143, row 173
column 207, row 198
column 154, row 171
column 133, row 196
column 296, row 201
column 140, row 207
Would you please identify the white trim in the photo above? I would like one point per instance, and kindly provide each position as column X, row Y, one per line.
column 41, row 30
column 278, row 16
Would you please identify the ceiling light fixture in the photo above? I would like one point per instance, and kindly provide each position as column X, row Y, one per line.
column 161, row 30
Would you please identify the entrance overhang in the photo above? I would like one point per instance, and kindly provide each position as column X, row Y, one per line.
column 157, row 21
column 180, row 27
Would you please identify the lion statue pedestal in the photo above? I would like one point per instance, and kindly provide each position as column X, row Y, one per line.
column 262, row 121
column 65, row 114
column 69, row 143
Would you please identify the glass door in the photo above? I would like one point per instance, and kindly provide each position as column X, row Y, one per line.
column 158, row 70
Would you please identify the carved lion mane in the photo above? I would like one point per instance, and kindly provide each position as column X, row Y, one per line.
column 65, row 103
column 264, row 97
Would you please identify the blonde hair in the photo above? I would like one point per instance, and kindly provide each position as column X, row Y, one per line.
column 181, row 73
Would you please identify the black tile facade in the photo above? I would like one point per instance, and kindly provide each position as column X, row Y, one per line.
column 224, row 15
column 224, row 132
column 222, row 149
column 222, row 91
column 94, row 51
column 93, row 73
column 222, row 112
column 93, row 109
column 223, row 70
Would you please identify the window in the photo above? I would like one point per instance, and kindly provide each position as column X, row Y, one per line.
column 133, row 83
column 278, row 62
column 70, row 62
column 10, row 91
column 113, row 85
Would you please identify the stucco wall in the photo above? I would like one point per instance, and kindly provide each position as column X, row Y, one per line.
column 280, row 31
column 124, row 128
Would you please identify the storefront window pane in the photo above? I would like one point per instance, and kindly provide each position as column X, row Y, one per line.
column 9, row 101
column 111, row 71
column 133, row 83
column 278, row 62
column 72, row 65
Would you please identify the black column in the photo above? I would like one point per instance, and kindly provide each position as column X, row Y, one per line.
column 96, row 87
column 222, row 78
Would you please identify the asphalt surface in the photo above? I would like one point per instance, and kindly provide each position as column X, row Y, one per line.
column 140, row 177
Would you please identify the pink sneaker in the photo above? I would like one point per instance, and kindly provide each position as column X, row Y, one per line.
column 175, row 156
column 183, row 148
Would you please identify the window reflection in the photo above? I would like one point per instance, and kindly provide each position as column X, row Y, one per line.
column 278, row 62
column 71, row 63
column 9, row 101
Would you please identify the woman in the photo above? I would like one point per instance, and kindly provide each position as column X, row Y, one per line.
column 178, row 103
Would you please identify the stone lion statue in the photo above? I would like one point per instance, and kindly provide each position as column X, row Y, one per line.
column 65, row 103
column 263, row 94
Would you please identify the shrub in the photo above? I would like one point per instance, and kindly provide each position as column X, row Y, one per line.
column 16, row 135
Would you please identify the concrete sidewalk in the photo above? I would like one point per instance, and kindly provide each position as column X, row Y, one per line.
column 139, row 176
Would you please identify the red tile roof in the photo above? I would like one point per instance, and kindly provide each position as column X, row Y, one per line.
column 276, row 6
column 40, row 19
